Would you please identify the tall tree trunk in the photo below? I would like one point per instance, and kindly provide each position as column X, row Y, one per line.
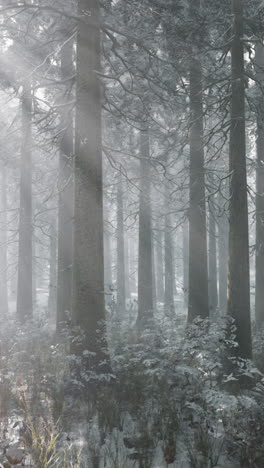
column 174, row 265
column 198, row 271
column 108, row 260
column 185, row 260
column 88, row 265
column 53, row 270
column 132, row 263
column 24, row 281
column 169, row 270
column 213, row 293
column 145, row 284
column 3, row 249
column 121, row 273
column 223, row 259
column 160, row 266
column 259, row 295
column 66, row 195
column 127, row 264
column 154, row 283
column 239, row 294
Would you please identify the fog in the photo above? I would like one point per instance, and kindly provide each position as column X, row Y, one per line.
column 131, row 234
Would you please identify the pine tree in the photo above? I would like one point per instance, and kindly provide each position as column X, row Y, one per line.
column 121, row 273
column 198, row 271
column 24, row 281
column 66, row 192
column 88, row 264
column 212, row 261
column 259, row 301
column 145, row 284
column 238, row 293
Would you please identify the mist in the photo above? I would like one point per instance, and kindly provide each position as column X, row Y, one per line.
column 131, row 234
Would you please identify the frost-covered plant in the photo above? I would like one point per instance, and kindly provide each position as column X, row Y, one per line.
column 244, row 432
column 168, row 390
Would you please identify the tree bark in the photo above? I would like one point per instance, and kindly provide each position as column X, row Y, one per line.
column 222, row 260
column 154, row 282
column 198, row 305
column 145, row 284
column 24, row 281
column 185, row 260
column 127, row 264
column 259, row 293
column 132, row 268
column 66, row 195
column 88, row 265
column 160, row 266
column 174, row 265
column 53, row 270
column 121, row 273
column 239, row 293
column 213, row 293
column 169, row 270
column 108, row 280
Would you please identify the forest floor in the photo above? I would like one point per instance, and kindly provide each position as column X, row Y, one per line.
column 172, row 402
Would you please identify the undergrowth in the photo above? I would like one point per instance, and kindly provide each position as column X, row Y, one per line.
column 174, row 396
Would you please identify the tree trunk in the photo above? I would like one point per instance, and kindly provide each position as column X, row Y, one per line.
column 88, row 265
column 174, row 265
column 121, row 273
column 223, row 260
column 154, row 283
column 132, row 268
column 239, row 294
column 108, row 265
column 127, row 264
column 213, row 293
column 66, row 193
column 3, row 249
column 52, row 271
column 24, row 281
column 160, row 266
column 185, row 260
column 198, row 271
column 145, row 285
column 169, row 270
column 259, row 294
